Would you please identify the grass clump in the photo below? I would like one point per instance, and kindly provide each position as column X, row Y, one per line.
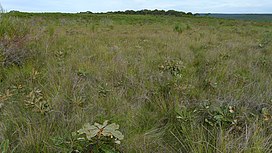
column 180, row 28
column 13, row 38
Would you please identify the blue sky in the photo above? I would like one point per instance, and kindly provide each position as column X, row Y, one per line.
column 195, row 6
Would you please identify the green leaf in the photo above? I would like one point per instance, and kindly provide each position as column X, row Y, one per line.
column 98, row 125
column 90, row 131
column 107, row 150
column 209, row 122
column 74, row 134
column 4, row 146
column 218, row 117
column 112, row 126
column 265, row 111
column 91, row 134
column 105, row 123
column 110, row 130
column 118, row 135
column 117, row 141
column 84, row 129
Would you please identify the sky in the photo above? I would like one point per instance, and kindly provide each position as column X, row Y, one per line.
column 195, row 6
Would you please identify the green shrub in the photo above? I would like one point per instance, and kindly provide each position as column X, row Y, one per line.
column 98, row 138
column 180, row 28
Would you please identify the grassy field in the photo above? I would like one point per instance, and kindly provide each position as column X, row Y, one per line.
column 173, row 84
column 250, row 17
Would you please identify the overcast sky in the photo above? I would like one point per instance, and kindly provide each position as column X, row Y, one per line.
column 195, row 6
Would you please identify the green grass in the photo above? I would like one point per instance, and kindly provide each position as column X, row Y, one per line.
column 205, row 89
column 250, row 17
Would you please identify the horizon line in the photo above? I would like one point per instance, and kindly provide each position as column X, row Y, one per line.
column 97, row 12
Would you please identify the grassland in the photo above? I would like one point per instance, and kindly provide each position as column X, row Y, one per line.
column 249, row 17
column 173, row 84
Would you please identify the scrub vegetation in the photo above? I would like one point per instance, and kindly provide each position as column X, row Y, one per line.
column 161, row 83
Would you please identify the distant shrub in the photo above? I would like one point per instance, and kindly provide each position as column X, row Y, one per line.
column 189, row 13
column 153, row 12
column 180, row 28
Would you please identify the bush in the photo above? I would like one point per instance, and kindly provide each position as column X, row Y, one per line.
column 180, row 28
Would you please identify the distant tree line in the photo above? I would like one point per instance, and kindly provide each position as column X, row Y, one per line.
column 149, row 12
column 132, row 12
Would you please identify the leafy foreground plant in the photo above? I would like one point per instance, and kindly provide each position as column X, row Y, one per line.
column 98, row 138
